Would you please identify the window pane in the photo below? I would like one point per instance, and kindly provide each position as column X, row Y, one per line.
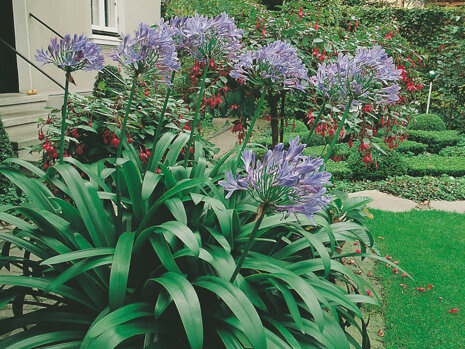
column 110, row 13
column 95, row 12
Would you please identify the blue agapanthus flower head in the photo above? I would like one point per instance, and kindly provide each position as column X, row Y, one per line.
column 370, row 75
column 276, row 64
column 286, row 181
column 207, row 39
column 151, row 50
column 72, row 53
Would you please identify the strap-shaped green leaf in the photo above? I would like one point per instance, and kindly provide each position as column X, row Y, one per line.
column 120, row 316
column 71, row 256
column 187, row 302
column 120, row 270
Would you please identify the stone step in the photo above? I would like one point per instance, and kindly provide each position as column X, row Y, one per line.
column 12, row 99
column 24, row 118
column 26, row 155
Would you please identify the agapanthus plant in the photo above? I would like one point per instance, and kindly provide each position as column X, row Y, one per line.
column 286, row 181
column 368, row 77
column 272, row 67
column 70, row 55
column 151, row 50
column 206, row 40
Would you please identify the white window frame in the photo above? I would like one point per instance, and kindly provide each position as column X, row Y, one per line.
column 100, row 27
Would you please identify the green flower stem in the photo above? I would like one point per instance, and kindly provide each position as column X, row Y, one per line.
column 64, row 113
column 160, row 122
column 196, row 115
column 258, row 221
column 339, row 128
column 257, row 112
column 316, row 121
column 122, row 135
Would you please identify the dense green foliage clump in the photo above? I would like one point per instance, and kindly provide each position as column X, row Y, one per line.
column 7, row 192
column 428, row 122
column 107, row 84
column 391, row 164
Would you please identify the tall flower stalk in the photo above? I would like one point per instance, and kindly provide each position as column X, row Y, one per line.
column 152, row 50
column 286, row 181
column 370, row 76
column 196, row 115
column 272, row 67
column 206, row 40
column 70, row 54
column 317, row 119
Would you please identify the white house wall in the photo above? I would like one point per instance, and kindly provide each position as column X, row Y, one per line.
column 68, row 17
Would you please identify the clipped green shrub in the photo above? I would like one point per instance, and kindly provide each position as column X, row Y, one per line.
column 456, row 150
column 436, row 165
column 339, row 170
column 391, row 164
column 340, row 150
column 296, row 126
column 7, row 192
column 407, row 146
column 436, row 140
column 106, row 84
column 428, row 122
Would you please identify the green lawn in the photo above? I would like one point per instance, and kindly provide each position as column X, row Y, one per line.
column 430, row 245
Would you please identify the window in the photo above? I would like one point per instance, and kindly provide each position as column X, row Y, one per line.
column 104, row 17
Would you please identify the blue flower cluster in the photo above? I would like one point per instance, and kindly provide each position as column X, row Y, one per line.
column 368, row 76
column 207, row 39
column 151, row 50
column 286, row 181
column 72, row 54
column 275, row 65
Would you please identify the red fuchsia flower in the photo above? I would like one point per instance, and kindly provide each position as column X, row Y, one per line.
column 403, row 285
column 316, row 27
column 41, row 135
column 380, row 238
column 367, row 108
column 301, row 13
column 453, row 310
column 144, row 155
column 395, row 262
column 421, row 289
column 429, row 287
column 395, row 271
column 316, row 51
column 388, row 256
column 440, row 298
column 234, row 107
column 114, row 142
column 403, row 275
column 356, row 243
column 369, row 293
column 79, row 149
column 358, row 251
column 367, row 158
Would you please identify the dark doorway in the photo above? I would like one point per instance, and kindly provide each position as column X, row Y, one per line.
column 8, row 67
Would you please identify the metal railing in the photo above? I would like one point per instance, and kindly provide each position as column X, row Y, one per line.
column 31, row 63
